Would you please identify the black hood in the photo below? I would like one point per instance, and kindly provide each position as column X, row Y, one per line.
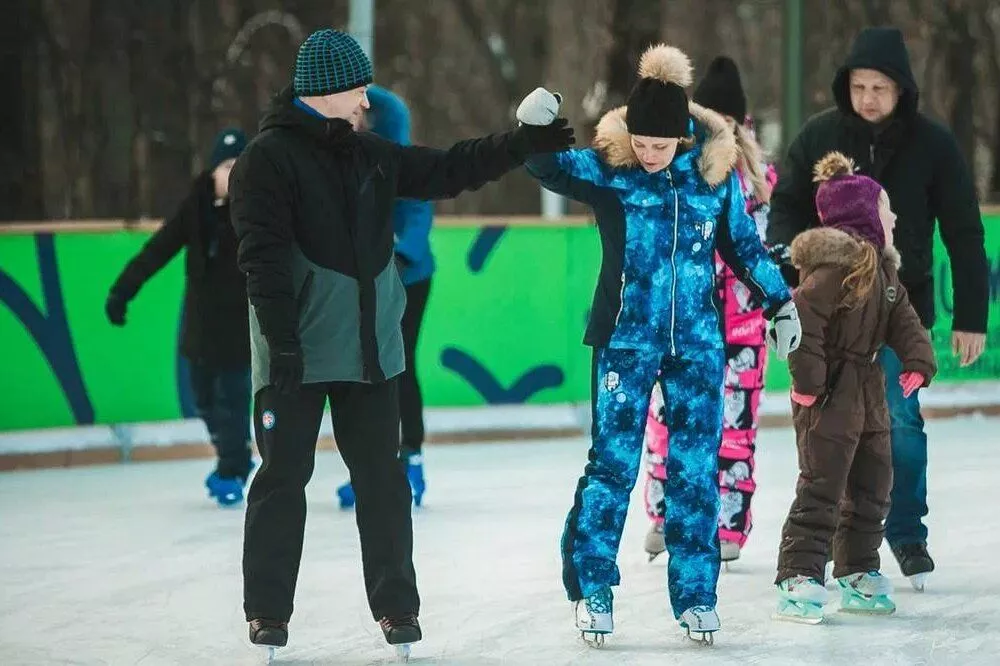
column 281, row 111
column 883, row 50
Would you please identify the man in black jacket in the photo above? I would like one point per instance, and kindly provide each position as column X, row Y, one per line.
column 312, row 207
column 917, row 161
column 215, row 335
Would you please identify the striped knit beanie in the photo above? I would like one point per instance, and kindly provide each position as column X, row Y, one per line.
column 330, row 62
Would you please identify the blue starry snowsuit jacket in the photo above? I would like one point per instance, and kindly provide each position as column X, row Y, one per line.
column 656, row 288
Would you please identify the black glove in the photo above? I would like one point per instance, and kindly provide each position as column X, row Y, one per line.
column 286, row 367
column 115, row 308
column 553, row 138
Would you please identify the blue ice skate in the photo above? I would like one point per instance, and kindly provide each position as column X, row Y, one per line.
column 414, row 462
column 227, row 492
column 800, row 599
column 345, row 495
column 866, row 593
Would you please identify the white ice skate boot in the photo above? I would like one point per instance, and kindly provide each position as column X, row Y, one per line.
column 655, row 544
column 701, row 623
column 801, row 599
column 594, row 617
column 866, row 593
column 730, row 552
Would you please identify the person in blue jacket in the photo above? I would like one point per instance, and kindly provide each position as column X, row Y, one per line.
column 389, row 117
column 665, row 196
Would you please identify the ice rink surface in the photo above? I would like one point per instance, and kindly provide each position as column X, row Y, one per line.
column 132, row 564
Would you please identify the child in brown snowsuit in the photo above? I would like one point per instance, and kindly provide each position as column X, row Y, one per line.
column 850, row 303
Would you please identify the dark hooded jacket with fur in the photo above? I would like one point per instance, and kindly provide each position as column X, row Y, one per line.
column 918, row 163
column 840, row 343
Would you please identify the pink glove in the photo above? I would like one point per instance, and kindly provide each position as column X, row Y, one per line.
column 910, row 381
column 804, row 400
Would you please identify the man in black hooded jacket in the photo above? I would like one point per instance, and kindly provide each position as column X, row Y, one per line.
column 918, row 162
column 312, row 205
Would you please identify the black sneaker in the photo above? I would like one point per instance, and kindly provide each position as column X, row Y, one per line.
column 913, row 559
column 268, row 633
column 400, row 630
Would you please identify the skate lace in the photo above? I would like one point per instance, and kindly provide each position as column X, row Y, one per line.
column 698, row 610
column 402, row 621
column 600, row 602
column 799, row 581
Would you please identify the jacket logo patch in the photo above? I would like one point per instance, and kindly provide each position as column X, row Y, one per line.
column 612, row 380
column 267, row 419
column 707, row 228
column 890, row 293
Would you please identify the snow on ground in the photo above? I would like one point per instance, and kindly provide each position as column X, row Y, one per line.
column 131, row 564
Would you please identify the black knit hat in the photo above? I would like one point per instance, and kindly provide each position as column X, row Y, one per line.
column 657, row 108
column 229, row 143
column 330, row 62
column 721, row 90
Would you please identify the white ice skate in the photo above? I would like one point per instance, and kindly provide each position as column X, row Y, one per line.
column 866, row 593
column 918, row 580
column 730, row 552
column 800, row 599
column 655, row 544
column 594, row 617
column 701, row 623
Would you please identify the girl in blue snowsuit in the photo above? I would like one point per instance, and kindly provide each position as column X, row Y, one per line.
column 665, row 196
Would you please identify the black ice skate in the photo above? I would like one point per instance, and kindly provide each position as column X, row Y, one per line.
column 269, row 635
column 915, row 563
column 401, row 632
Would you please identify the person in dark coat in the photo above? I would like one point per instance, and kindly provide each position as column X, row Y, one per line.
column 215, row 334
column 389, row 118
column 851, row 303
column 876, row 123
column 313, row 207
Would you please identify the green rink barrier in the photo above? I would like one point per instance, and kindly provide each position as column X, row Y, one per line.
column 504, row 324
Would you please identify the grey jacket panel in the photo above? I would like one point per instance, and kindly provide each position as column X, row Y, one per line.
column 329, row 324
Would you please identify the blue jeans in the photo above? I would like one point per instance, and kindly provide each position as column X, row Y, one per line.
column 222, row 401
column 909, row 459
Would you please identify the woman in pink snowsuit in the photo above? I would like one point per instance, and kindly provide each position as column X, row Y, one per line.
column 746, row 349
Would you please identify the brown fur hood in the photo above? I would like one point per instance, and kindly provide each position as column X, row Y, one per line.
column 826, row 246
column 719, row 151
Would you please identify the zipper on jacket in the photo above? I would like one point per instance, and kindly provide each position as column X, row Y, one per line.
column 304, row 291
column 871, row 155
column 621, row 300
column 673, row 268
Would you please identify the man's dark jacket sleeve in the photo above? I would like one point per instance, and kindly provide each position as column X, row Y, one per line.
column 954, row 203
column 261, row 210
column 430, row 173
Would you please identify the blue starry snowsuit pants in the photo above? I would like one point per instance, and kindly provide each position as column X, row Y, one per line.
column 692, row 390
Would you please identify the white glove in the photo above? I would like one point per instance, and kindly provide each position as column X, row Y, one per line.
column 540, row 107
column 784, row 331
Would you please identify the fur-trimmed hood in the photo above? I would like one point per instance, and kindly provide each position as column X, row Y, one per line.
column 826, row 246
column 719, row 151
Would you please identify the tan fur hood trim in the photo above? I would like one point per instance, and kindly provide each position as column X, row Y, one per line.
column 825, row 246
column 718, row 155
